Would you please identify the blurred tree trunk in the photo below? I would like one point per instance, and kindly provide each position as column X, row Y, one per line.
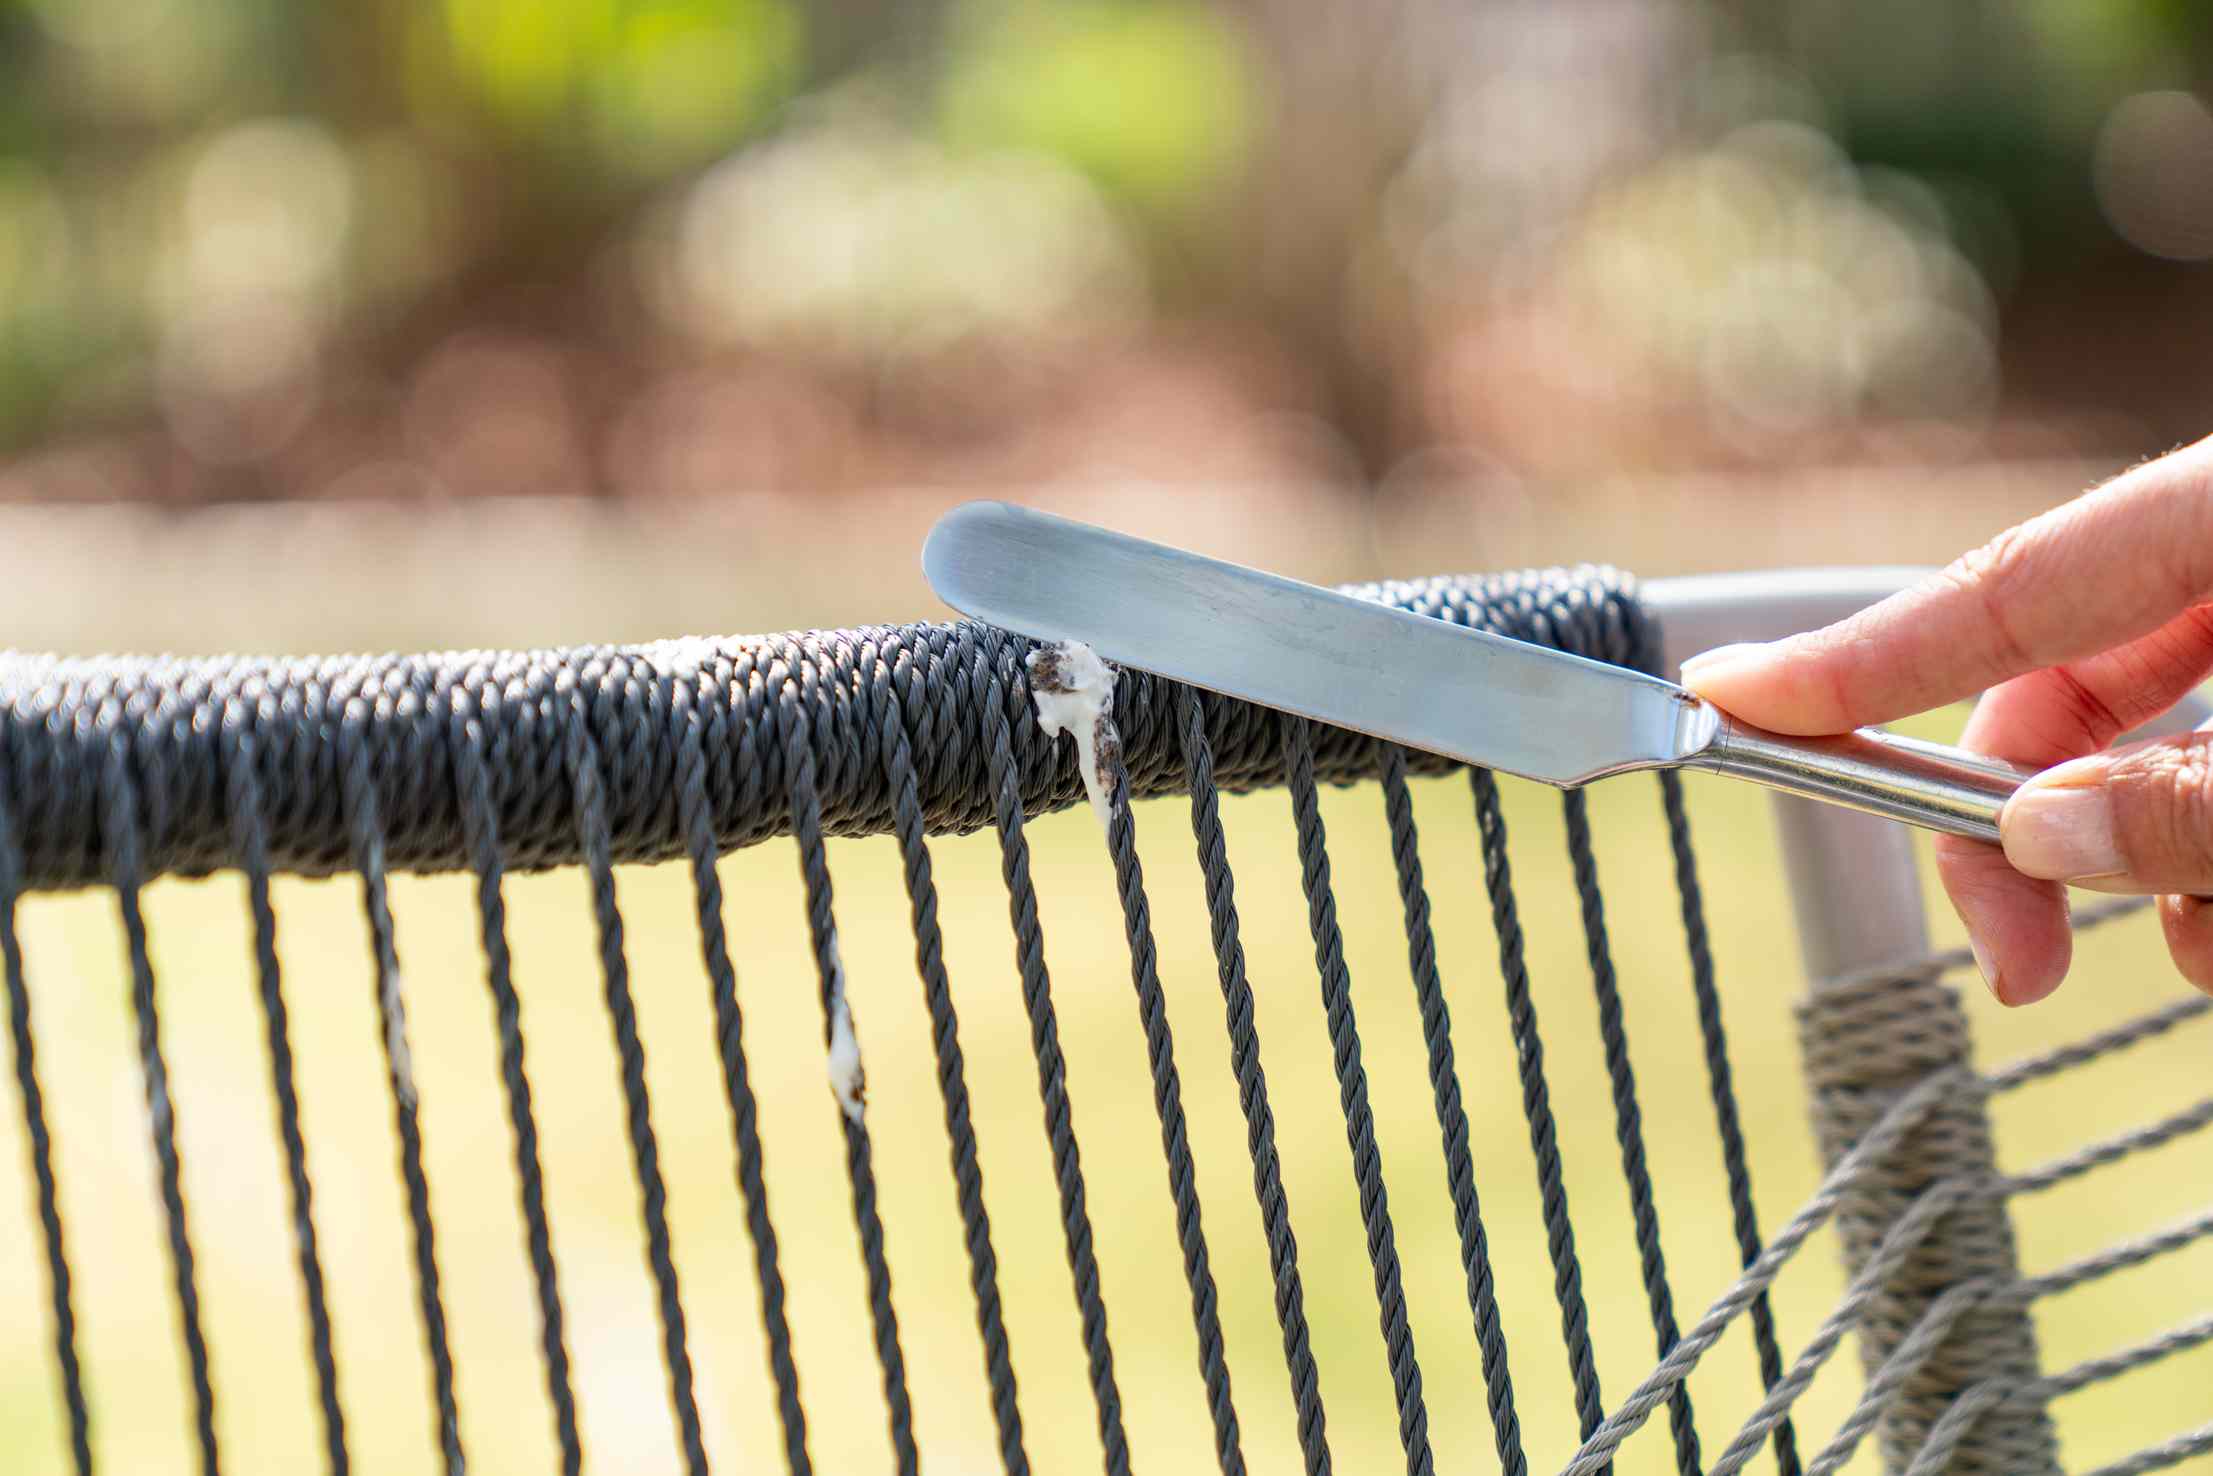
column 1343, row 117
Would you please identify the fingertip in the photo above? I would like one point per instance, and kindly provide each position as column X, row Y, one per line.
column 2017, row 926
column 1755, row 682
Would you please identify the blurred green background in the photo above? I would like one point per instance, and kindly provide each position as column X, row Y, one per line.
column 418, row 324
column 698, row 248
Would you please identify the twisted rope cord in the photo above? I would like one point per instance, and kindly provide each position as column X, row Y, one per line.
column 583, row 758
column 2159, row 1457
column 120, row 834
column 366, row 836
column 1865, row 1158
column 1862, row 1046
column 253, row 855
column 2113, row 1365
column 61, row 1301
column 1628, row 1118
column 698, row 827
column 58, row 804
column 860, row 1172
column 2105, row 1042
column 1721, row 1087
column 1352, row 1096
column 1980, row 1399
column 481, row 816
column 1936, row 1321
column 1160, row 1055
column 1536, row 1103
column 1905, row 1362
column 1905, row 1235
column 2174, row 1125
column 992, row 684
column 1452, row 1116
column 2114, row 1258
column 952, row 1077
column 1252, row 1085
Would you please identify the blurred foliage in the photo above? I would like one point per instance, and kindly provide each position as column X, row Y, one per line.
column 234, row 229
column 1153, row 99
column 655, row 87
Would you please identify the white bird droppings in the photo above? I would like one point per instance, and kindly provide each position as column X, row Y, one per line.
column 848, row 1081
column 1074, row 691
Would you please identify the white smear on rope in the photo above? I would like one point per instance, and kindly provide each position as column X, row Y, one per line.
column 1074, row 690
column 848, row 1082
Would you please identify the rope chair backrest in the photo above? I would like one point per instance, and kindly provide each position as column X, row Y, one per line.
column 116, row 773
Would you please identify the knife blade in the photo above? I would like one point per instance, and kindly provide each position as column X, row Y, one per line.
column 1466, row 694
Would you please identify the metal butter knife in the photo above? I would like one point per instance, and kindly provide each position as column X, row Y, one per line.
column 1485, row 699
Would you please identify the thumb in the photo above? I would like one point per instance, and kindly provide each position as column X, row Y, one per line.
column 2133, row 819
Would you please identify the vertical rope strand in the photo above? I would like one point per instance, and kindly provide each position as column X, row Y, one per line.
column 989, row 689
column 1352, row 1095
column 952, row 1075
column 120, row 834
column 1252, row 1083
column 480, row 819
column 1452, row 1116
column 1628, row 1119
column 41, row 1143
column 814, row 867
column 696, row 817
column 365, row 833
column 1722, row 1086
column 1175, row 1142
column 582, row 755
column 243, row 799
column 1536, row 1102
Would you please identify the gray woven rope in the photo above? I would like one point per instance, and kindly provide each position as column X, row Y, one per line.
column 1865, row 1046
column 60, row 718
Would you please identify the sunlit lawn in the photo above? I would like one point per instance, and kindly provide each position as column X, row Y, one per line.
column 253, row 1305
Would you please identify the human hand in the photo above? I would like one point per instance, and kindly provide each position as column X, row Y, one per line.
column 2076, row 627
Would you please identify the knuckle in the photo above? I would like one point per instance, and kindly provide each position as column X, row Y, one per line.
column 2163, row 811
column 1991, row 576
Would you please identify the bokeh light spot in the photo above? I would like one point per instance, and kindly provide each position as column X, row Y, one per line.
column 2153, row 173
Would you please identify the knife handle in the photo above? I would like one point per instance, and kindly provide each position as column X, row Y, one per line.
column 1925, row 784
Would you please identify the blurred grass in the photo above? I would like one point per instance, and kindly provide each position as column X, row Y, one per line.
column 252, row 1305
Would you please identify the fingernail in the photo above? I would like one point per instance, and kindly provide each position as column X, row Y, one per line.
column 2062, row 831
column 1989, row 968
column 1708, row 664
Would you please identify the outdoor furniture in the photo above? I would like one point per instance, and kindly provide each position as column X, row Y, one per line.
column 115, row 773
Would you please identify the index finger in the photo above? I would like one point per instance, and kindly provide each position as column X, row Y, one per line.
column 2108, row 567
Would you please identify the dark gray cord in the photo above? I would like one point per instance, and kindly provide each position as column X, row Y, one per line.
column 58, row 807
column 1536, row 1103
column 253, row 859
column 1352, row 1096
column 796, row 691
column 1452, row 1117
column 121, row 835
column 1252, row 1084
column 1628, row 1118
column 952, row 1074
column 994, row 682
column 1721, row 1085
column 698, row 827
column 62, row 1302
column 367, row 840
column 1160, row 1056
column 583, row 756
column 480, row 816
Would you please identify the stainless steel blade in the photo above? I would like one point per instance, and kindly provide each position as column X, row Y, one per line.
column 1469, row 695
